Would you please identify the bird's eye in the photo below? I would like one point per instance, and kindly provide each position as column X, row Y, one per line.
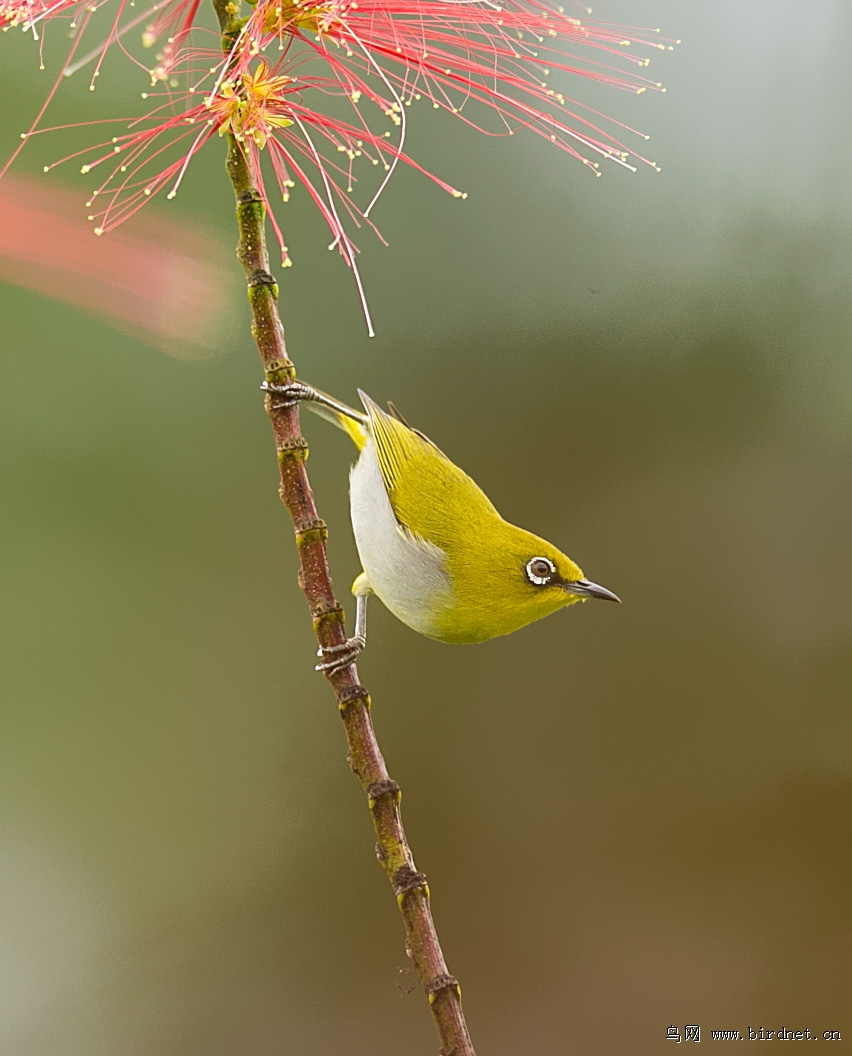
column 540, row 570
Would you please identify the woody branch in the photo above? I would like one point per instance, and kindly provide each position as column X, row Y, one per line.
column 365, row 757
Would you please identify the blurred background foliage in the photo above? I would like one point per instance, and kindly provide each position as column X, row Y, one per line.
column 630, row 817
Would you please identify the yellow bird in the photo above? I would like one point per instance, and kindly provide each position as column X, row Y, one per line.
column 432, row 545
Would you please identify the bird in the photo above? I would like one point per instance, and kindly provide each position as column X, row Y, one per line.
column 432, row 545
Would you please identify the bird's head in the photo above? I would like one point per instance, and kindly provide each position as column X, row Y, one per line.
column 512, row 580
column 550, row 573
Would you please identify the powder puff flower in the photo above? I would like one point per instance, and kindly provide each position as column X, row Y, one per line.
column 323, row 89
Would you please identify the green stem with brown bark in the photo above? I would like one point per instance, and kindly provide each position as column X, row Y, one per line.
column 365, row 757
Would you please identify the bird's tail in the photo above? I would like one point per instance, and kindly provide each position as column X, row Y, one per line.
column 352, row 422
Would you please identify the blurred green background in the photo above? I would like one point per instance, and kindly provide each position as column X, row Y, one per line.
column 630, row 817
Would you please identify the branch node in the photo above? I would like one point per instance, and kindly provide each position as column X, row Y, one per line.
column 406, row 879
column 292, row 447
column 250, row 204
column 351, row 695
column 327, row 613
column 442, row 982
column 261, row 278
column 261, row 284
column 314, row 530
column 377, row 789
column 279, row 372
column 326, row 607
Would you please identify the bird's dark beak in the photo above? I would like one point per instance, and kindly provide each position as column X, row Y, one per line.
column 585, row 589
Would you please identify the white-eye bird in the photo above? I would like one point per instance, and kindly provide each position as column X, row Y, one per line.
column 431, row 543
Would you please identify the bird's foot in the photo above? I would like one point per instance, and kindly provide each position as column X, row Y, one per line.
column 290, row 394
column 338, row 656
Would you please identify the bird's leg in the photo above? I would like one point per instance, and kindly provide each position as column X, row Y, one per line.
column 347, row 652
column 294, row 392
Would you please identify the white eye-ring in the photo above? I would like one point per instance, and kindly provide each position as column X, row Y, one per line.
column 540, row 570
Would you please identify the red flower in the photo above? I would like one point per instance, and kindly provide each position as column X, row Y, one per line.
column 263, row 109
column 170, row 21
column 485, row 63
column 457, row 53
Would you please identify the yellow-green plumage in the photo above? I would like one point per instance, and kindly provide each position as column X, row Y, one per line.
column 444, row 561
column 485, row 555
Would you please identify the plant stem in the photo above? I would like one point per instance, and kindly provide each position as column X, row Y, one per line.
column 365, row 757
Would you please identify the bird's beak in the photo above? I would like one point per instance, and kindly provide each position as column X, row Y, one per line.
column 583, row 588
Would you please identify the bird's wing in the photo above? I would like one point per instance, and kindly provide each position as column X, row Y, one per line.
column 397, row 444
column 427, row 491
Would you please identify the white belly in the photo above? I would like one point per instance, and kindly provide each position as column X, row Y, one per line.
column 406, row 572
